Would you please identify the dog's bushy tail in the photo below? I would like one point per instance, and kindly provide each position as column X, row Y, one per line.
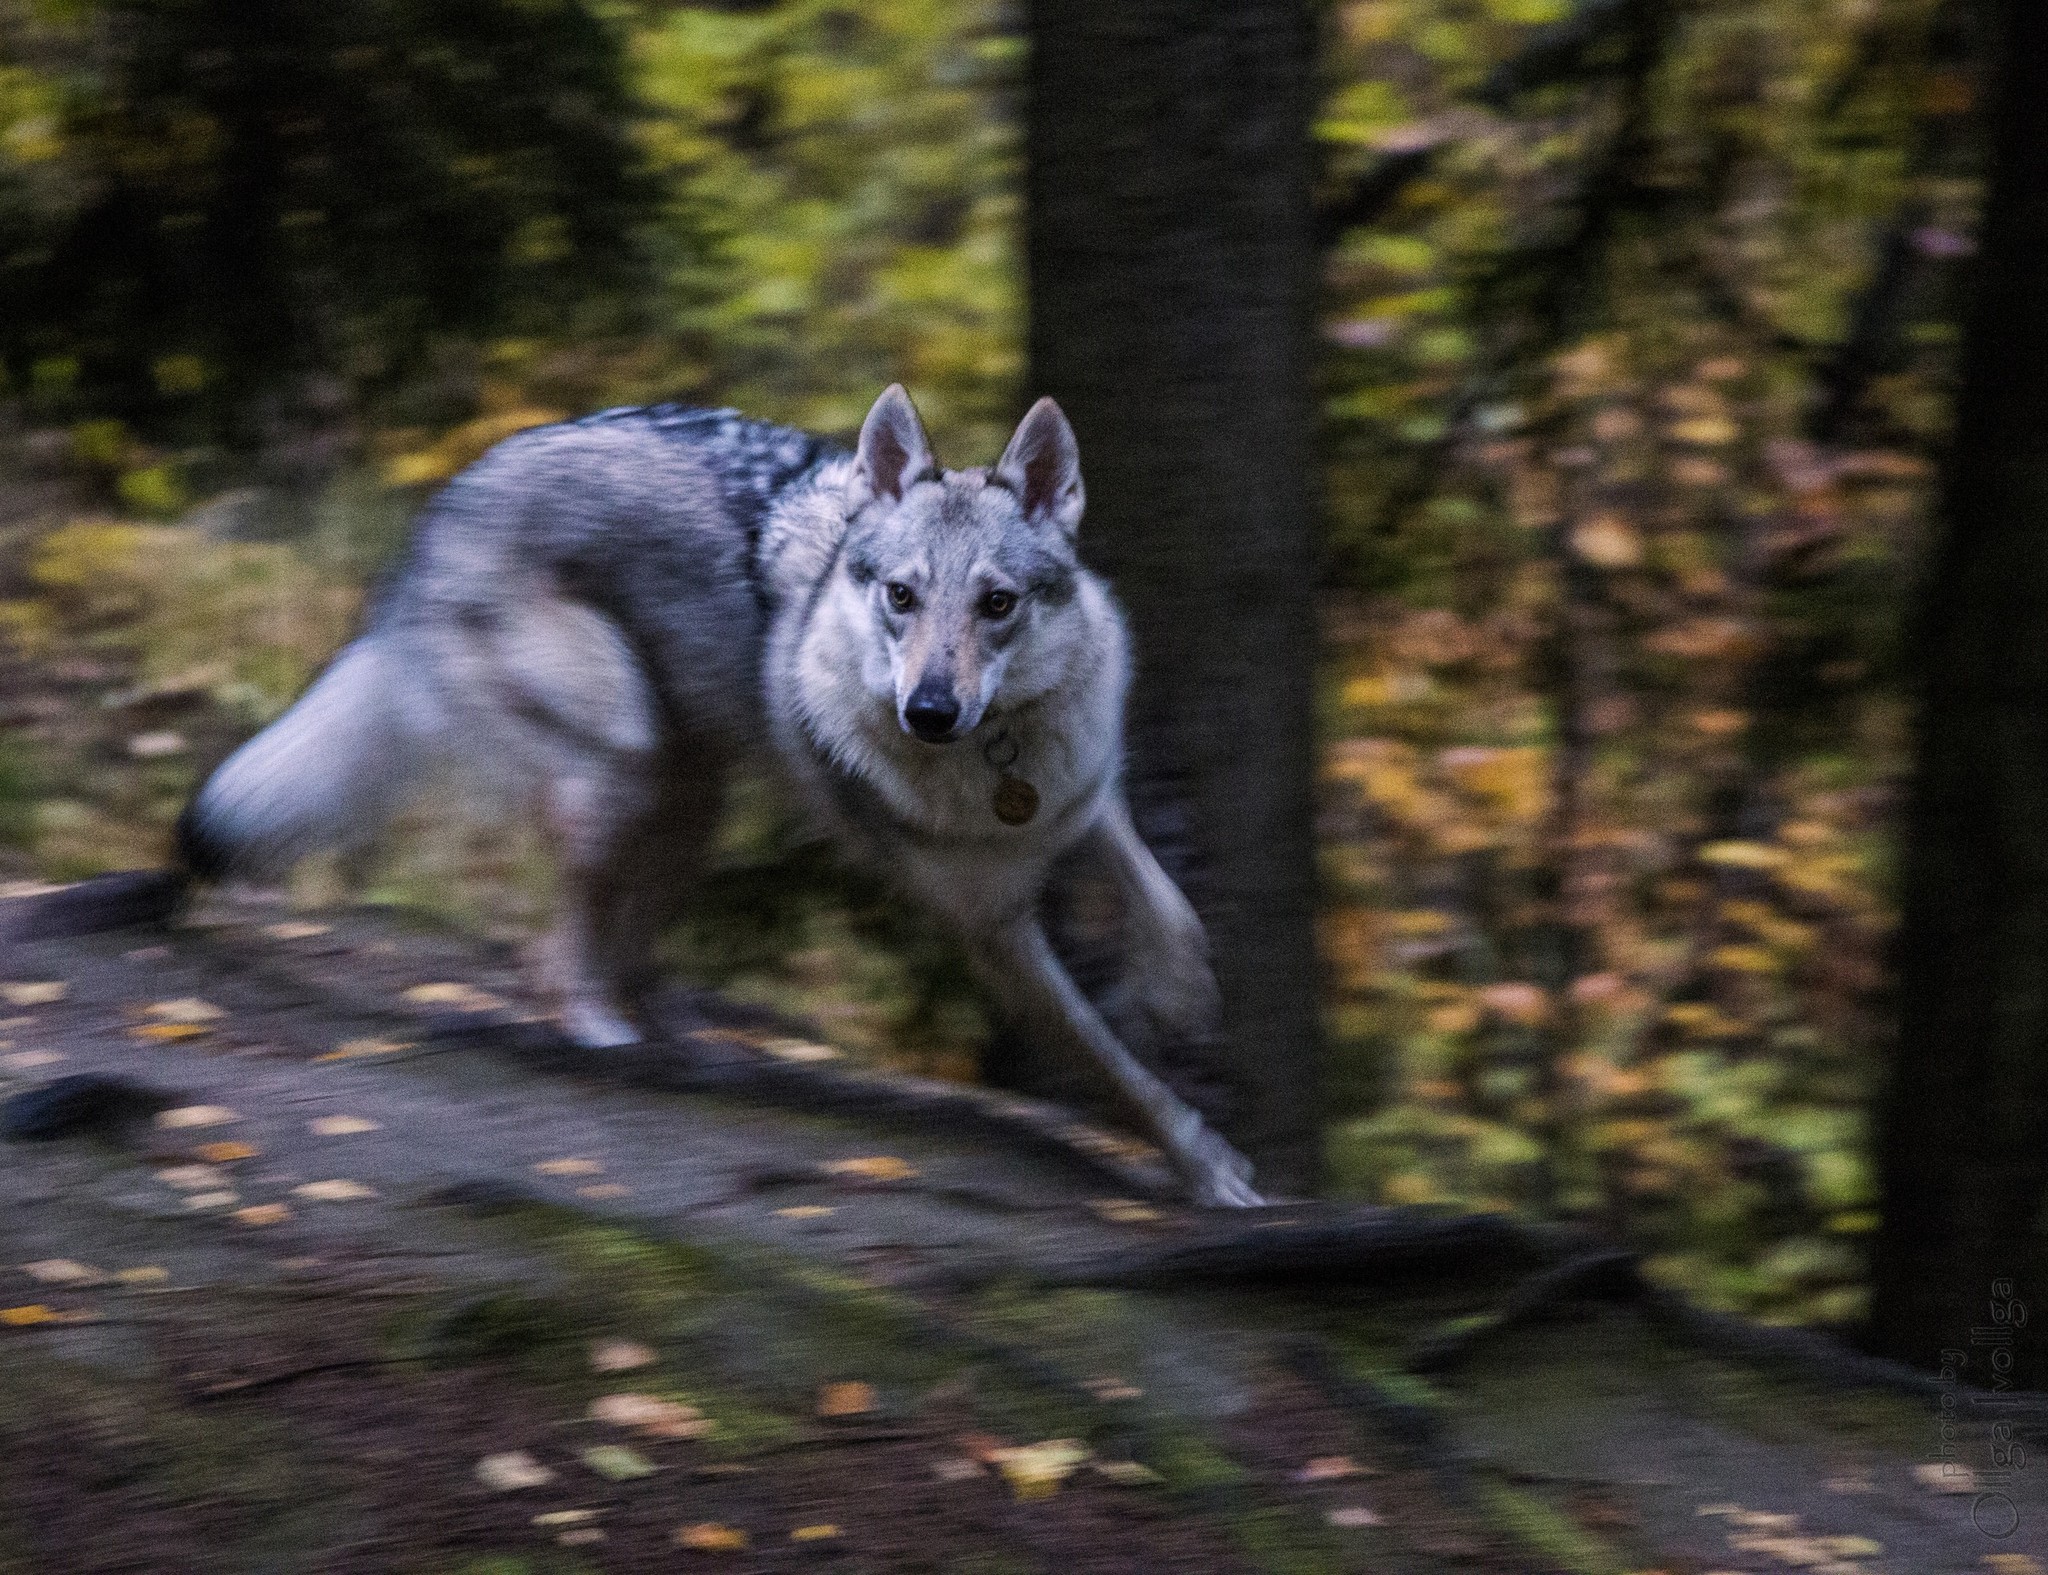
column 326, row 774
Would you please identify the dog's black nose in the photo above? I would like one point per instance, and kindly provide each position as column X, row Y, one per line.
column 931, row 712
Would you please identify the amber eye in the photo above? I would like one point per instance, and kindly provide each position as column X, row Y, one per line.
column 901, row 596
column 999, row 604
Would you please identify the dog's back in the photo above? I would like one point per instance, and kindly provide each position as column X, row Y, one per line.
column 593, row 586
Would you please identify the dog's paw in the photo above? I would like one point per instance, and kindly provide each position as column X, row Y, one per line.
column 1217, row 1175
column 594, row 1025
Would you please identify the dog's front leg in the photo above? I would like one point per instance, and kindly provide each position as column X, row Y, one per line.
column 1020, row 965
column 1166, row 979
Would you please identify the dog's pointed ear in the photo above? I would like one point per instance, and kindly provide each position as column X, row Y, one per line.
column 1042, row 466
column 893, row 452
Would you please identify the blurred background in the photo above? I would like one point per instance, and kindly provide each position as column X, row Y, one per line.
column 1634, row 332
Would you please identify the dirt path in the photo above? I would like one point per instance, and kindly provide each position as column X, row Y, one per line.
column 252, row 1376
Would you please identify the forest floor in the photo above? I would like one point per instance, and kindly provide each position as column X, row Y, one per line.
column 337, row 1269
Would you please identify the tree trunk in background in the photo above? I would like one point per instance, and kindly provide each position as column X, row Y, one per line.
column 1964, row 1131
column 1172, row 278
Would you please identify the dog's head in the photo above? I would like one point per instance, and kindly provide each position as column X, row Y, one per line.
column 969, row 574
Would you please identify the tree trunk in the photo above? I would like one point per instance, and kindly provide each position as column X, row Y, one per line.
column 1171, row 255
column 1964, row 1128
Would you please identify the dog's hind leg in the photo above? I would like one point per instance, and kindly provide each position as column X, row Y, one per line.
column 1019, row 964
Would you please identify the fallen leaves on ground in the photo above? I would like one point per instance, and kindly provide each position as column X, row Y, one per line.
column 512, row 1471
column 804, row 1211
column 360, row 1049
column 186, row 1009
column 851, row 1398
column 62, row 1271
column 650, row 1416
column 617, row 1463
column 570, row 1167
column 454, row 995
column 144, row 1274
column 34, row 992
column 1330, row 1468
column 295, row 930
column 27, row 1317
column 710, row 1537
column 342, row 1126
column 29, row 1060
column 226, row 1153
column 1036, row 1470
column 168, row 1032
column 1124, row 1211
column 620, row 1356
column 338, row 1190
column 871, row 1167
column 195, row 1116
column 193, row 1178
column 261, row 1214
column 222, row 1199
column 823, row 1532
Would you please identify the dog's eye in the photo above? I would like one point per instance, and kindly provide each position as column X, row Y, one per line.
column 999, row 604
column 901, row 596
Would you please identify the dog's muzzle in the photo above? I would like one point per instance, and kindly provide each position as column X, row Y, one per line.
column 931, row 713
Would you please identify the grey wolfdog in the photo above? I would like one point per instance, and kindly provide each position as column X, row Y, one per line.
column 605, row 615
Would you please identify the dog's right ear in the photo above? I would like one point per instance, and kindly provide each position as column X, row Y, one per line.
column 893, row 452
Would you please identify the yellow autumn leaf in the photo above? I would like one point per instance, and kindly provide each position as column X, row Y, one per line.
column 29, row 1316
column 1742, row 855
column 169, row 1031
column 1124, row 1211
column 711, row 1537
column 461, row 997
column 226, row 1153
column 261, row 1214
column 851, row 1398
column 1037, row 1470
column 1607, row 541
column 873, row 1167
column 354, row 1049
column 824, row 1531
column 1705, row 431
column 143, row 1274
column 803, row 1211
column 569, row 1167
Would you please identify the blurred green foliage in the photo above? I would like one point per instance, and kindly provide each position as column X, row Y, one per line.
column 1632, row 366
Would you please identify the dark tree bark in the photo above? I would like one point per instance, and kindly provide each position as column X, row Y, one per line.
column 1964, row 1132
column 1171, row 254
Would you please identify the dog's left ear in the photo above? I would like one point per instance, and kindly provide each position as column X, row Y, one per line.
column 893, row 452
column 1042, row 466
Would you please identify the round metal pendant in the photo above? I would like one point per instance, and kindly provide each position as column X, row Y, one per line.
column 1016, row 801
